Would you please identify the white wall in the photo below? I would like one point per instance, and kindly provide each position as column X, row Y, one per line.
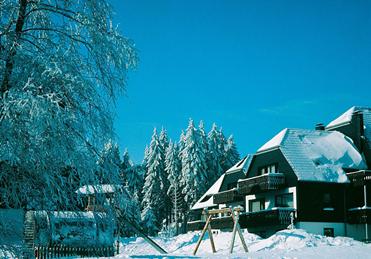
column 317, row 227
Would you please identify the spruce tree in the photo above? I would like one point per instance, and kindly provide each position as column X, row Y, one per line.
column 152, row 194
column 215, row 155
column 231, row 154
column 173, row 169
column 194, row 167
column 166, row 211
column 109, row 164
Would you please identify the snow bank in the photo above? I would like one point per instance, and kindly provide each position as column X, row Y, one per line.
column 298, row 239
column 286, row 243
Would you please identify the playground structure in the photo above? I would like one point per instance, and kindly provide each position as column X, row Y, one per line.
column 52, row 234
column 233, row 213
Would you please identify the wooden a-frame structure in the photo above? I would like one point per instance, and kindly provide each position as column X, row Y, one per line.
column 231, row 212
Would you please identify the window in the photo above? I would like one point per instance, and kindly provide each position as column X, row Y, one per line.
column 256, row 205
column 269, row 169
column 284, row 200
column 327, row 201
column 328, row 232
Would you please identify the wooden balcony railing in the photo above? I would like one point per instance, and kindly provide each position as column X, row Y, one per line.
column 359, row 178
column 227, row 196
column 272, row 217
column 360, row 215
column 261, row 183
column 280, row 217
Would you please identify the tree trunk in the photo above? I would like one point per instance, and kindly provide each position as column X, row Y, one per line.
column 13, row 48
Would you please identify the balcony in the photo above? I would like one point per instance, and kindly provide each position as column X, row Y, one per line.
column 272, row 217
column 360, row 178
column 264, row 182
column 359, row 215
column 227, row 196
column 280, row 217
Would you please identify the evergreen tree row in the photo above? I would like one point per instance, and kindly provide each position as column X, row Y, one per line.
column 177, row 174
column 172, row 176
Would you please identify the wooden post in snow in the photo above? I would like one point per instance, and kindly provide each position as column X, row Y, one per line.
column 236, row 227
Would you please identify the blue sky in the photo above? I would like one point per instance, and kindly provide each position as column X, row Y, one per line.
column 253, row 67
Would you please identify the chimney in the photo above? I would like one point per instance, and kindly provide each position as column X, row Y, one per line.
column 319, row 126
column 357, row 121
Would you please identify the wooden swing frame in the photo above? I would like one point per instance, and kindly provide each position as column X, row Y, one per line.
column 234, row 214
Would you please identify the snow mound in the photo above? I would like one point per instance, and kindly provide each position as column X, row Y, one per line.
column 298, row 239
column 283, row 244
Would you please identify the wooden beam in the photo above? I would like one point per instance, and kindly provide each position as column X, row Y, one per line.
column 202, row 234
column 233, row 233
column 236, row 219
column 211, row 239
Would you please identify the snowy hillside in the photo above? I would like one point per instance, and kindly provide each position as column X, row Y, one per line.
column 286, row 243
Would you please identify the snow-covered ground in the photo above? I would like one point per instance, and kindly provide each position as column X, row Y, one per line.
column 284, row 244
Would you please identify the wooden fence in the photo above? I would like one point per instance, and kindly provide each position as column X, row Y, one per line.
column 44, row 252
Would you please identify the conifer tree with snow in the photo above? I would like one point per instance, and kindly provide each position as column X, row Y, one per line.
column 194, row 166
column 62, row 66
column 153, row 192
column 215, row 154
column 231, row 153
column 166, row 212
column 109, row 164
column 173, row 169
column 149, row 221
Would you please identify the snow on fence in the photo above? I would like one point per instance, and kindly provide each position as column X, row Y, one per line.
column 44, row 252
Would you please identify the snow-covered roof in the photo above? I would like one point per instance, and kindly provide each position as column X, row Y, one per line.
column 207, row 200
column 274, row 142
column 243, row 165
column 100, row 188
column 346, row 117
column 317, row 155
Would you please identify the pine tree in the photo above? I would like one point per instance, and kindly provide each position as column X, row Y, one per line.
column 194, row 167
column 152, row 189
column 173, row 169
column 109, row 164
column 215, row 155
column 125, row 165
column 149, row 220
column 164, row 143
column 231, row 154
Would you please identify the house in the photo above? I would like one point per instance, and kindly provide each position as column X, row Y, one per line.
column 317, row 180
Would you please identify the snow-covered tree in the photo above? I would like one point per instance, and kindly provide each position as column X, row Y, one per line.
column 153, row 187
column 126, row 161
column 62, row 64
column 149, row 220
column 231, row 154
column 173, row 169
column 109, row 164
column 194, row 167
column 215, row 154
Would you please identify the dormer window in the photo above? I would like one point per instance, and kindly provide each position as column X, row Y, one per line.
column 269, row 169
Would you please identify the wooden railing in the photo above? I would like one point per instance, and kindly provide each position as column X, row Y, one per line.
column 274, row 217
column 359, row 178
column 261, row 183
column 227, row 196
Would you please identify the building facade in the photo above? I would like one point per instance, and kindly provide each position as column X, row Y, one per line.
column 318, row 180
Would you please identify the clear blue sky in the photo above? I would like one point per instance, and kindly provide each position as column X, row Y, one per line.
column 253, row 67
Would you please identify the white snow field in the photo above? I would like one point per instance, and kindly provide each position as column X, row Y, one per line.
column 295, row 243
